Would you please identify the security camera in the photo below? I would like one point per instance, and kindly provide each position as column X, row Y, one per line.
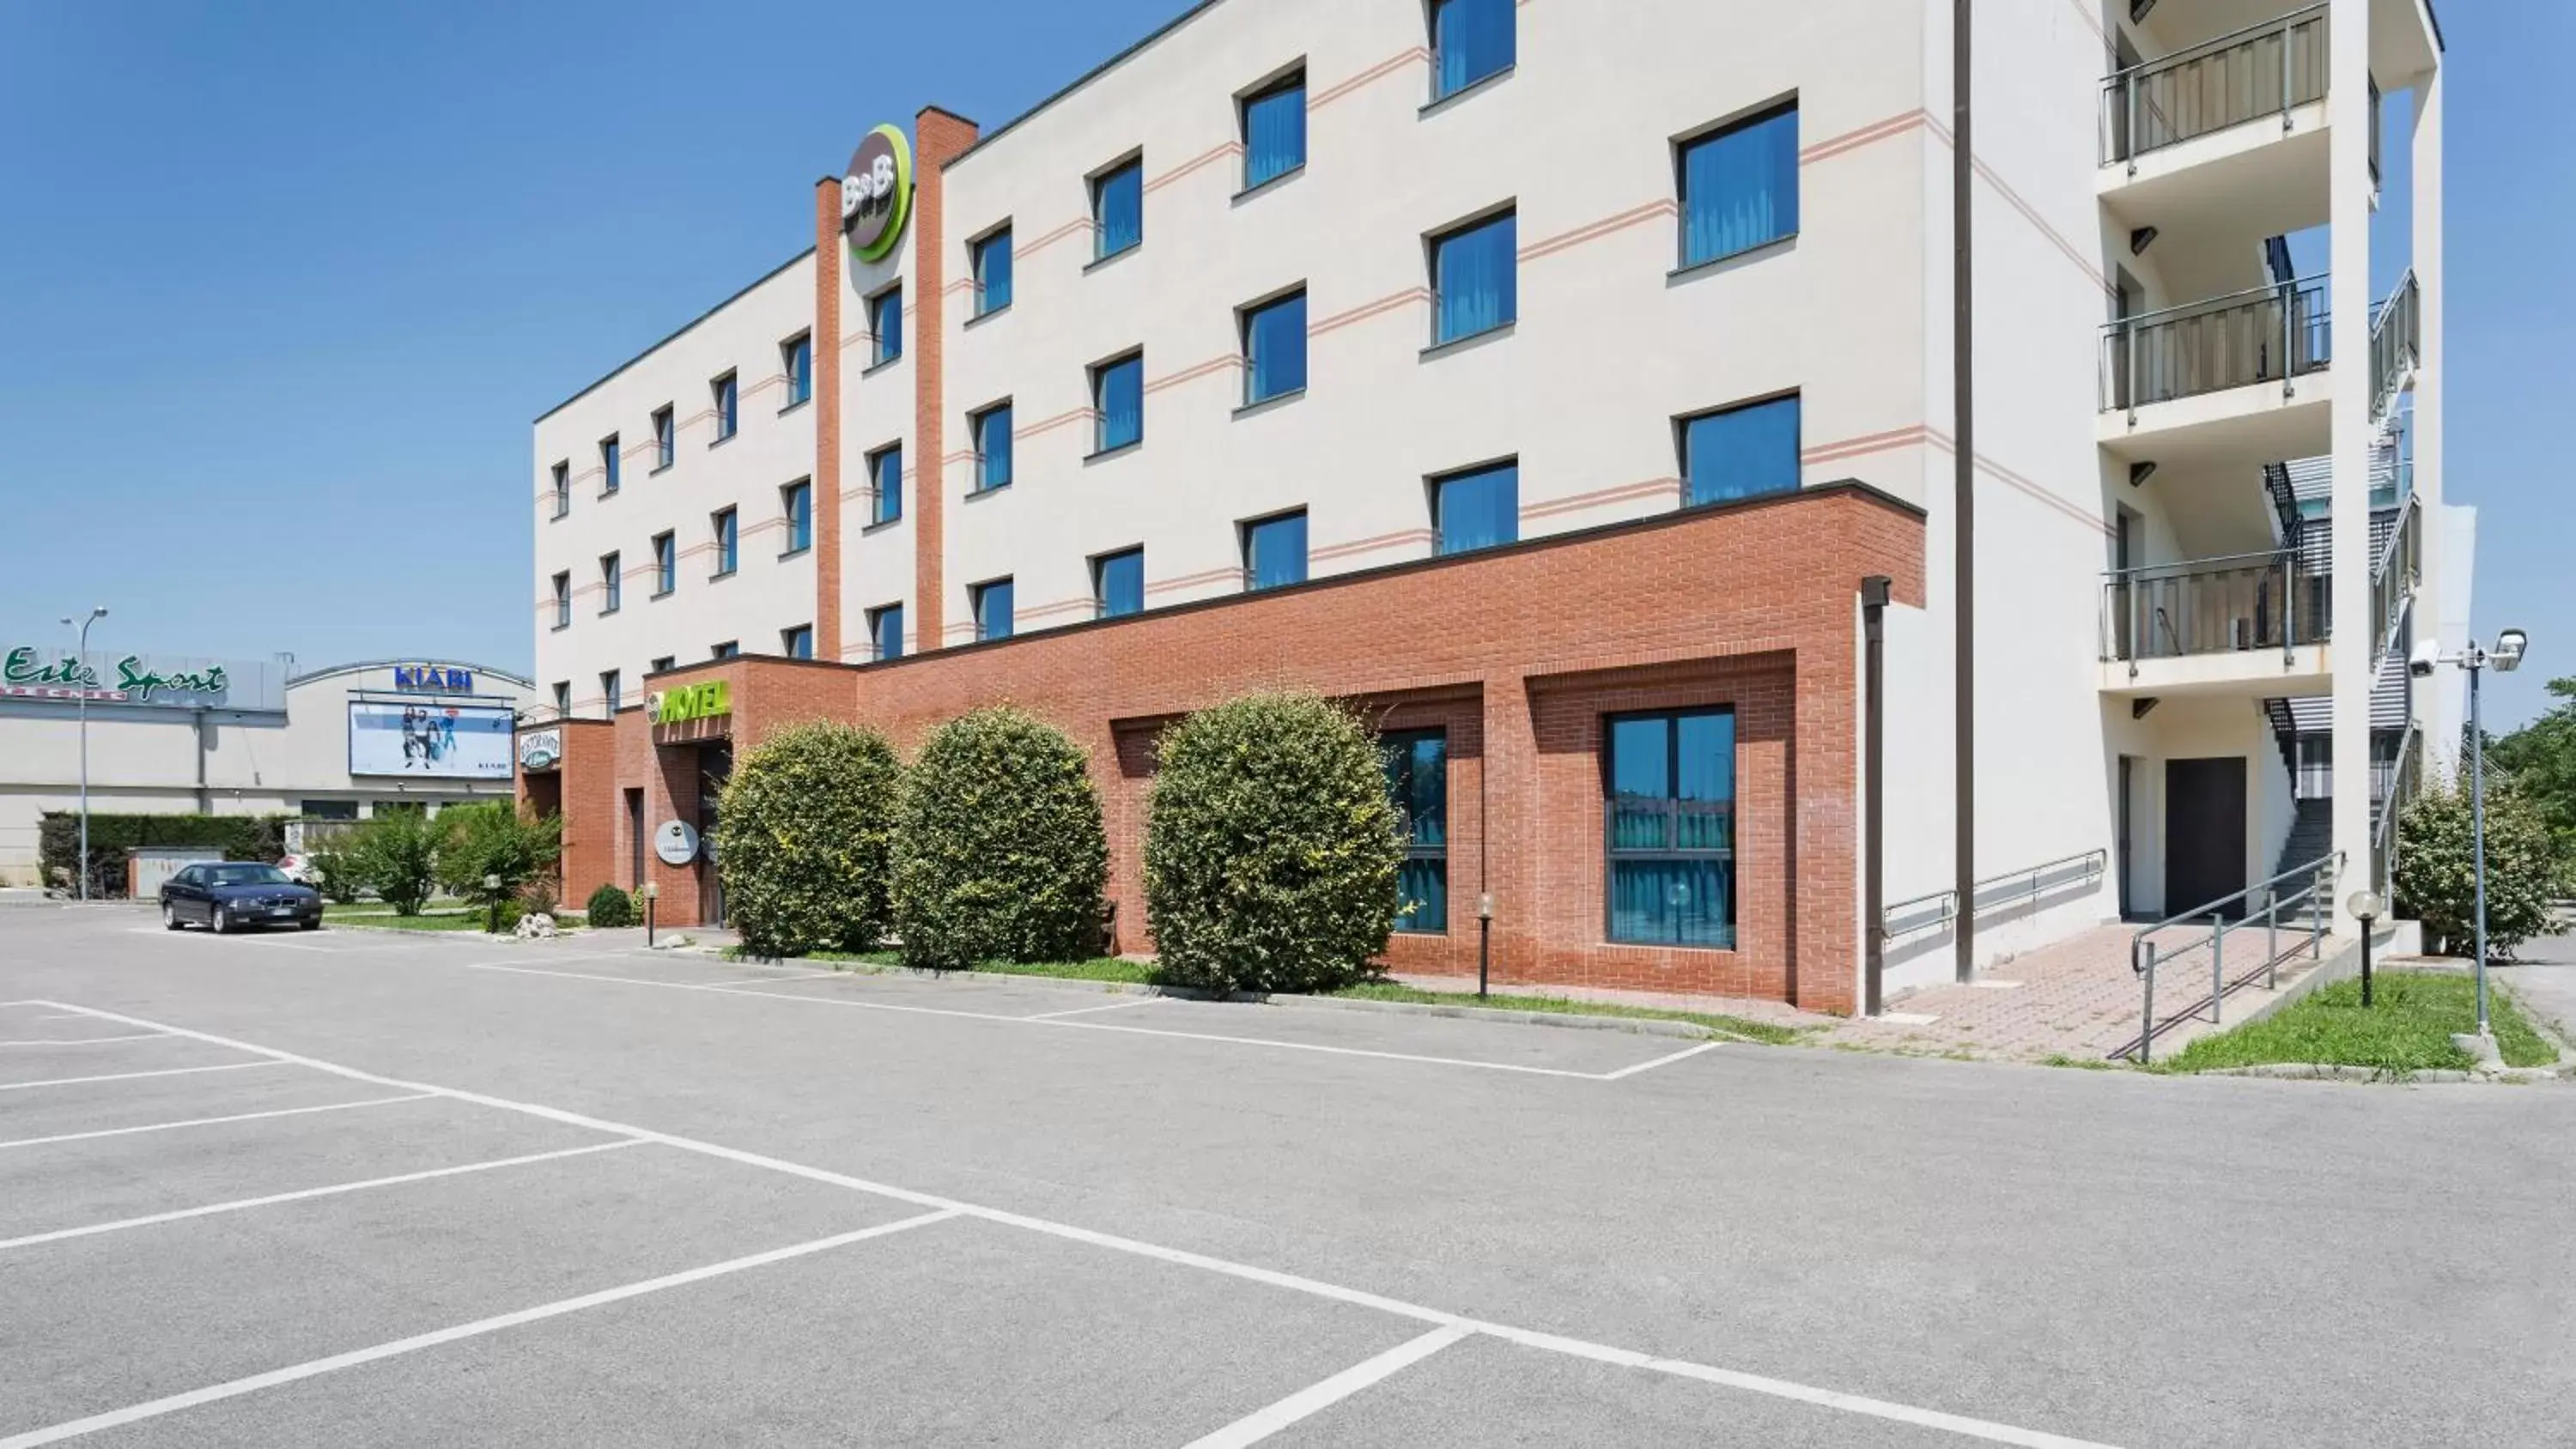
column 2426, row 658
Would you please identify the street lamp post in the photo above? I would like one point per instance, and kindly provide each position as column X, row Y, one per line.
column 80, row 695
column 2505, row 657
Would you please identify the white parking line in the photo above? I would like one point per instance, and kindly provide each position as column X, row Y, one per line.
column 215, row 1121
column 235, row 1388
column 131, row 1076
column 241, row 939
column 1983, row 1429
column 35, row 1041
column 1088, row 1010
column 1306, row 1402
column 1659, row 1061
column 334, row 1190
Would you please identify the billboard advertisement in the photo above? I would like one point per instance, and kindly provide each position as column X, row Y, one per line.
column 429, row 739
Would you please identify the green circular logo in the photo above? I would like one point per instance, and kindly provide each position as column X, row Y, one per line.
column 876, row 194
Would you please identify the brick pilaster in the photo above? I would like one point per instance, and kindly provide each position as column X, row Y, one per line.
column 826, row 349
column 938, row 138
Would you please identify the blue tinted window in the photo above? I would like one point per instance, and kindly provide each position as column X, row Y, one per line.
column 1479, row 509
column 727, row 400
column 665, row 438
column 1118, row 208
column 1118, row 391
column 1742, row 452
column 885, row 319
column 1740, row 187
column 800, row 370
column 885, row 631
column 1121, row 583
column 1470, row 40
column 799, row 641
column 1473, row 282
column 608, row 464
column 612, row 584
column 993, row 448
column 885, row 485
column 993, row 610
column 799, row 506
column 1274, row 344
column 1274, row 132
column 728, row 542
column 666, row 564
column 993, row 272
column 1670, row 833
column 1417, row 778
column 563, row 601
column 1274, row 551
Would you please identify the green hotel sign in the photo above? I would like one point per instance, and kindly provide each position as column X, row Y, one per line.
column 67, row 677
column 712, row 700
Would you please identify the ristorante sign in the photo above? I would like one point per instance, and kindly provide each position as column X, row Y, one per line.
column 26, row 675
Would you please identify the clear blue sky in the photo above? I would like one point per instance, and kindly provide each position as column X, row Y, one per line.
column 282, row 285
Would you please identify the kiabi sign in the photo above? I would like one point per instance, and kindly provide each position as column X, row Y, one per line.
column 712, row 700
column 21, row 675
column 434, row 677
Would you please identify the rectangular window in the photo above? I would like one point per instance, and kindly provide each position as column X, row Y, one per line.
column 1739, row 187
column 727, row 399
column 796, row 359
column 991, row 258
column 635, row 838
column 1274, row 551
column 612, row 589
column 992, row 610
column 563, row 600
column 563, row 488
column 666, row 438
column 563, row 698
column 663, row 665
column 885, row 323
column 608, row 689
column 1470, row 40
column 1118, row 396
column 885, row 484
column 1477, row 509
column 1670, row 827
column 1741, row 452
column 797, row 643
column 1274, row 130
column 1118, row 208
column 992, row 432
column 796, row 504
column 727, row 650
column 330, row 809
column 885, row 631
column 728, row 539
column 1118, row 582
column 608, row 464
column 666, row 563
column 1274, row 348
column 1474, row 283
column 1417, row 778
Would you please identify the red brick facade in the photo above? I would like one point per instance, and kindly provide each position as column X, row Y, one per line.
column 1517, row 652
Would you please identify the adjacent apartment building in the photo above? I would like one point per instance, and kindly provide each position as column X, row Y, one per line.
column 1575, row 390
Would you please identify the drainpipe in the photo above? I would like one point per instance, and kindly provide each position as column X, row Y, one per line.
column 1873, row 862
column 205, row 802
column 1964, row 487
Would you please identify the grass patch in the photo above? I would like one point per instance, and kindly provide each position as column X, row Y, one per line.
column 1102, row 968
column 1761, row 1031
column 2080, row 1064
column 2408, row 1028
column 381, row 919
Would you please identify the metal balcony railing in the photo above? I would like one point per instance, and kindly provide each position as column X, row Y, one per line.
column 2212, row 606
column 2396, row 343
column 2394, row 785
column 2269, row 334
column 2266, row 70
column 2393, row 576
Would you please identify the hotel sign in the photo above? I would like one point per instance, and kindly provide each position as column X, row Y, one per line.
column 26, row 675
column 876, row 194
column 712, row 700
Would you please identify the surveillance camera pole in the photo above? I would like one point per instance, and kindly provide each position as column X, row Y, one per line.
column 2478, row 819
column 80, row 694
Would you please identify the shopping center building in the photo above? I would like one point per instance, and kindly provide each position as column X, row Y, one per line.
column 1574, row 390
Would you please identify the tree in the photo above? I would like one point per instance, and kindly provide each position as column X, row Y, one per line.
column 396, row 854
column 1271, row 855
column 489, row 852
column 804, row 840
column 2541, row 758
column 999, row 850
column 2437, row 875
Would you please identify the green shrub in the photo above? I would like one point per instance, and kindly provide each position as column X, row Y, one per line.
column 512, row 910
column 804, row 840
column 538, row 899
column 999, row 852
column 239, row 837
column 335, row 870
column 495, row 839
column 610, row 908
column 396, row 856
column 1271, row 853
column 2437, row 872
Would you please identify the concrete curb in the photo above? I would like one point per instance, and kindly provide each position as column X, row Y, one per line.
column 2327, row 1072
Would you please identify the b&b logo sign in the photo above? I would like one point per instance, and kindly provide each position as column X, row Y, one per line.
column 876, row 194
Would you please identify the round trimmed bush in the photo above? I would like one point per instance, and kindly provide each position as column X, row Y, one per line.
column 804, row 838
column 610, row 908
column 999, row 853
column 1271, row 855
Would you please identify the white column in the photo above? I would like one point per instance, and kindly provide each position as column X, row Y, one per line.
column 2355, row 633
column 2442, row 746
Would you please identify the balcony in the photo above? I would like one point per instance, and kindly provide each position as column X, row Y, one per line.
column 2264, row 72
column 2240, row 624
column 2222, row 139
column 2218, row 381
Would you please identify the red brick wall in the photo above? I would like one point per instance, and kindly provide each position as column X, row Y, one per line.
column 827, row 418
column 938, row 138
column 584, row 787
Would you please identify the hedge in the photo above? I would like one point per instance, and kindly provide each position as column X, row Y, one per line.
column 1000, row 854
column 610, row 908
column 1271, row 853
column 239, row 837
column 804, row 840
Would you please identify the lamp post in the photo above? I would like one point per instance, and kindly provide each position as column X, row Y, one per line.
column 1484, row 940
column 492, row 903
column 652, row 892
column 80, row 694
column 2365, row 907
column 2505, row 657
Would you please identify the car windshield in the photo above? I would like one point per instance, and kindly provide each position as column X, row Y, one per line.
column 240, row 875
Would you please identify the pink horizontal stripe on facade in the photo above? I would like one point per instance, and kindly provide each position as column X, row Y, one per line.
column 1414, row 537
column 1192, row 374
column 1564, row 241
column 1669, row 488
column 1050, row 424
column 1191, row 581
column 1202, row 160
column 1391, row 65
column 1367, row 310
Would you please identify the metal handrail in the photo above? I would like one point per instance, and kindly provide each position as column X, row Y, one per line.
column 2216, row 304
column 2166, row 101
column 2396, row 342
column 2220, row 605
column 2406, row 775
column 2218, row 43
column 2093, row 863
column 2145, row 955
column 2272, row 333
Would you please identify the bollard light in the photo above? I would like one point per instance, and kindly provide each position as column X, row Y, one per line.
column 652, row 892
column 2365, row 906
column 1484, row 942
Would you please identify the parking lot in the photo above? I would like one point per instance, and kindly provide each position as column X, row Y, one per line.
column 352, row 1188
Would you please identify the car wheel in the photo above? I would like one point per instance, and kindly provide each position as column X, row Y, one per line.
column 169, row 916
column 216, row 918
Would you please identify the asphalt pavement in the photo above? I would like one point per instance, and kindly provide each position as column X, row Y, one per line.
column 356, row 1188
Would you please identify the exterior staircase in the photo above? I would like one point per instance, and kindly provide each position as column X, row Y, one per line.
column 2311, row 835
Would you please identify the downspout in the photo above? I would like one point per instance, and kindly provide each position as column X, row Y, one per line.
column 1873, row 862
column 1963, row 689
column 205, row 802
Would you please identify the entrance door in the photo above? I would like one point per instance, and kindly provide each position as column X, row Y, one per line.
column 2204, row 833
column 635, row 839
column 2128, row 825
column 715, row 768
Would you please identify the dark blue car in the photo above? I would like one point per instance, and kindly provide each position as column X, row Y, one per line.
column 238, row 896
